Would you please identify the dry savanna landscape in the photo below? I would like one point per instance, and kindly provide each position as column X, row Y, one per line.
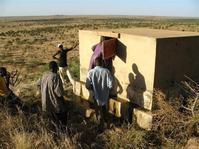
column 27, row 45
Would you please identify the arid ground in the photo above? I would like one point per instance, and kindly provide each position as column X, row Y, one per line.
column 27, row 45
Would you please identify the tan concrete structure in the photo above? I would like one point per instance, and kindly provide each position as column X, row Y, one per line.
column 146, row 59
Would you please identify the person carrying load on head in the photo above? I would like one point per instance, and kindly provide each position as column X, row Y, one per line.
column 63, row 65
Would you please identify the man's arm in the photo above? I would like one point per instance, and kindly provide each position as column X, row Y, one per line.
column 58, row 86
column 39, row 83
column 38, row 92
column 119, row 89
column 93, row 47
column 54, row 55
column 89, row 85
column 7, row 79
column 73, row 47
column 109, row 80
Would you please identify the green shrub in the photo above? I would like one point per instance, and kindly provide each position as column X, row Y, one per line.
column 74, row 67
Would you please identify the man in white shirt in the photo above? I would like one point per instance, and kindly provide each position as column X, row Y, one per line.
column 100, row 81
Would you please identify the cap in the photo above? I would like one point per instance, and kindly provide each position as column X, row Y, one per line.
column 59, row 45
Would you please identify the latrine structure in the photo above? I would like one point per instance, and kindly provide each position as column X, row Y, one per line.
column 146, row 59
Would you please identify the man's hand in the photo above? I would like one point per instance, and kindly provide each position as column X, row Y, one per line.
column 38, row 93
column 54, row 56
column 73, row 46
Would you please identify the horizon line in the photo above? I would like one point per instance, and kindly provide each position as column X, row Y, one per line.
column 87, row 15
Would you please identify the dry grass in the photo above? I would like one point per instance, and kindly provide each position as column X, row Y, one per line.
column 174, row 125
column 25, row 130
column 171, row 129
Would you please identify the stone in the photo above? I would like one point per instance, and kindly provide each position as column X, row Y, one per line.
column 143, row 118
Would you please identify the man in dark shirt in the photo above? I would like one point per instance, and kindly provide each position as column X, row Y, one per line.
column 63, row 66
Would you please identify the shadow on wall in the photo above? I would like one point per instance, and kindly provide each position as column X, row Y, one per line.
column 117, row 87
column 136, row 87
column 121, row 51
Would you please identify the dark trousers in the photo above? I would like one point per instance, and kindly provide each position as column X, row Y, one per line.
column 101, row 114
column 56, row 122
column 59, row 119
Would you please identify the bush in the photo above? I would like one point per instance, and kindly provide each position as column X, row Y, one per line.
column 74, row 67
column 173, row 124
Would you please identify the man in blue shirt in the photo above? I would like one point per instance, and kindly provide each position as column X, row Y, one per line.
column 100, row 81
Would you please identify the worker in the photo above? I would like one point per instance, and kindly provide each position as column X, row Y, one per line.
column 100, row 81
column 106, row 49
column 63, row 65
column 51, row 87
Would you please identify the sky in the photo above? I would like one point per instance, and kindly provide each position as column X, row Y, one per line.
column 186, row 8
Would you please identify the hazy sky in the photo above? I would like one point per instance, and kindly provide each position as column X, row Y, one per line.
column 100, row 7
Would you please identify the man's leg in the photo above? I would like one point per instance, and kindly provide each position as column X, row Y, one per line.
column 2, row 100
column 62, row 117
column 70, row 77
column 102, row 116
column 51, row 119
column 96, row 107
column 62, row 74
column 105, row 114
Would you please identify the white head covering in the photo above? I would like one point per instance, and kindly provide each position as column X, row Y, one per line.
column 59, row 45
